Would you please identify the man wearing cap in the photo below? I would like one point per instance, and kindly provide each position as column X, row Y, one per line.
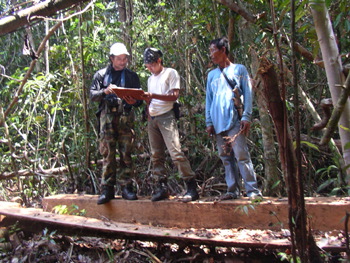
column 116, row 119
column 163, row 91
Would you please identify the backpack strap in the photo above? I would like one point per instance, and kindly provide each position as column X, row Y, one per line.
column 236, row 100
column 231, row 82
column 107, row 79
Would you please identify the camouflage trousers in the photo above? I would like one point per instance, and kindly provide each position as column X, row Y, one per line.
column 116, row 136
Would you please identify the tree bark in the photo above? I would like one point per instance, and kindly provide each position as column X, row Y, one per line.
column 276, row 106
column 24, row 17
column 122, row 10
column 272, row 165
column 333, row 67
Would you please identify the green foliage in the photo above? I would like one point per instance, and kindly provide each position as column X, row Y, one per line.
column 110, row 254
column 244, row 209
column 47, row 125
column 71, row 210
column 284, row 256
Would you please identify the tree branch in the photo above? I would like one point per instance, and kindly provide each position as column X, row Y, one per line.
column 25, row 16
column 239, row 10
column 337, row 111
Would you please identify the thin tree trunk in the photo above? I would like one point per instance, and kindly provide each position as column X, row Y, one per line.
column 217, row 24
column 85, row 100
column 122, row 10
column 333, row 67
column 47, row 48
column 272, row 172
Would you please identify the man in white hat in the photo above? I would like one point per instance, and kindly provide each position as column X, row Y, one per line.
column 116, row 119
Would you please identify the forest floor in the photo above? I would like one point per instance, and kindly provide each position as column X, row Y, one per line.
column 48, row 246
column 51, row 247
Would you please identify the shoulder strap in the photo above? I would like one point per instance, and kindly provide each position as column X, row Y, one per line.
column 107, row 79
column 236, row 100
column 122, row 79
column 232, row 82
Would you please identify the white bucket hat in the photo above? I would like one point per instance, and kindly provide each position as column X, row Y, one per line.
column 118, row 49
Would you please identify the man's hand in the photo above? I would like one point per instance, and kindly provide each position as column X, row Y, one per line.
column 210, row 130
column 245, row 127
column 129, row 100
column 109, row 89
column 147, row 97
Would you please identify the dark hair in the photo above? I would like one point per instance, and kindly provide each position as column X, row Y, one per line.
column 151, row 55
column 220, row 43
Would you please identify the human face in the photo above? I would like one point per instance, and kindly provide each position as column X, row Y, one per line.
column 155, row 67
column 218, row 56
column 119, row 62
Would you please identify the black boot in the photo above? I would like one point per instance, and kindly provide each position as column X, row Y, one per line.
column 161, row 192
column 128, row 192
column 106, row 195
column 191, row 194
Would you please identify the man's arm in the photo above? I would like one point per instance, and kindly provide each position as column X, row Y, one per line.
column 173, row 95
column 247, row 94
column 97, row 90
column 248, row 101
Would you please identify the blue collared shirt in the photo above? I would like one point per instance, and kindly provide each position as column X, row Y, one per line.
column 220, row 111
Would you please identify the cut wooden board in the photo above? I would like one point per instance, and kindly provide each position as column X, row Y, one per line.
column 33, row 218
column 325, row 214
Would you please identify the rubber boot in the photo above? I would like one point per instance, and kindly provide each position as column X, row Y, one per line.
column 128, row 192
column 106, row 195
column 191, row 194
column 161, row 192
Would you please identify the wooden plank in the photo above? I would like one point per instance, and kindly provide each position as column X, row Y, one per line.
column 36, row 219
column 78, row 225
column 325, row 214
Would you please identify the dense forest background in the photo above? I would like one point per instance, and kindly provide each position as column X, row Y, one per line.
column 48, row 127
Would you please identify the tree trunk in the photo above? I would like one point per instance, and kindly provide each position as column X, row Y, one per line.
column 25, row 16
column 85, row 97
column 300, row 233
column 122, row 10
column 272, row 172
column 333, row 66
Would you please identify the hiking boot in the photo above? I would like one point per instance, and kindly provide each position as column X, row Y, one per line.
column 106, row 195
column 161, row 192
column 128, row 192
column 191, row 194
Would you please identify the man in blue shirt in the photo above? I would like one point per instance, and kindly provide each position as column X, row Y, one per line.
column 224, row 121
